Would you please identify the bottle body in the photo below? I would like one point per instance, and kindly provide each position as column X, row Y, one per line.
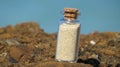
column 67, row 41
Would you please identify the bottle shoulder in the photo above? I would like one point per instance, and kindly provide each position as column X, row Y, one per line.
column 66, row 25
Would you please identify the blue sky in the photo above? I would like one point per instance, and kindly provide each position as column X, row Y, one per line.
column 100, row 15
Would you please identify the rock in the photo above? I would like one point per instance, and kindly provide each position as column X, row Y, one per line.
column 118, row 35
column 118, row 65
column 102, row 64
column 12, row 42
column 2, row 59
column 5, row 36
column 92, row 61
column 2, row 65
column 16, row 53
column 109, row 65
column 92, row 42
column 2, row 46
column 95, row 57
column 28, row 27
column 62, row 64
column 25, row 39
column 3, row 54
column 108, row 52
column 102, row 43
column 1, row 30
column 9, row 29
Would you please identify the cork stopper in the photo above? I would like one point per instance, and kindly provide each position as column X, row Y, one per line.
column 70, row 13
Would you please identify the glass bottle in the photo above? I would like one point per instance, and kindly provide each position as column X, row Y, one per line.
column 68, row 37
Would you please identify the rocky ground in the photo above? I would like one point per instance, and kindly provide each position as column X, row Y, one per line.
column 27, row 45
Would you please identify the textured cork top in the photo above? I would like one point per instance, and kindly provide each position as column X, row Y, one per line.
column 70, row 13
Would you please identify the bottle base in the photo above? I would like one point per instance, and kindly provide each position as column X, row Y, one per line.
column 58, row 60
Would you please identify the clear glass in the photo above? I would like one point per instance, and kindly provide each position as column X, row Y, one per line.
column 67, row 41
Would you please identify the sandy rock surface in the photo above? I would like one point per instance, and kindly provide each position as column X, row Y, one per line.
column 62, row 64
column 27, row 45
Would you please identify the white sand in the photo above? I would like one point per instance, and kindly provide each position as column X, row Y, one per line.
column 67, row 45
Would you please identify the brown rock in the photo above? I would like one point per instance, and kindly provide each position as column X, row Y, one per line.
column 62, row 64
column 25, row 40
column 102, row 65
column 16, row 53
column 3, row 54
column 102, row 43
column 9, row 29
column 1, row 46
column 28, row 27
column 2, row 59
column 1, row 30
column 108, row 52
column 5, row 36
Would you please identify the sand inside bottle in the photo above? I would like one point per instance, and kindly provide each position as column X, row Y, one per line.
column 67, row 45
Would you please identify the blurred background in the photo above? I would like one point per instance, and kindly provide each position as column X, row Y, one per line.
column 96, row 15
